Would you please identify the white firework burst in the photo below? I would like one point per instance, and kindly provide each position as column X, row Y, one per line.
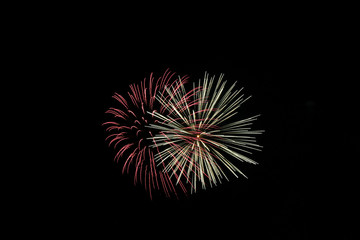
column 198, row 139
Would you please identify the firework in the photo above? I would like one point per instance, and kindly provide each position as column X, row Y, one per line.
column 198, row 138
column 129, row 136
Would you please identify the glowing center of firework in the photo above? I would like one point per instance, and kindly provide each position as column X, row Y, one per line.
column 198, row 135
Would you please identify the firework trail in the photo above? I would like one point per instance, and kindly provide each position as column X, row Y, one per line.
column 128, row 134
column 197, row 139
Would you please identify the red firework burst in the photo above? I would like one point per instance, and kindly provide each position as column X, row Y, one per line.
column 130, row 137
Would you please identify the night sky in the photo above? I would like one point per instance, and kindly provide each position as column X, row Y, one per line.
column 286, row 196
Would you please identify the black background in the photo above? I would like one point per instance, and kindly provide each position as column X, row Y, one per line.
column 275, row 202
column 294, row 192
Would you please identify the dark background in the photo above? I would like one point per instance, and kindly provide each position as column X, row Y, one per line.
column 299, row 190
column 278, row 201
column 298, row 61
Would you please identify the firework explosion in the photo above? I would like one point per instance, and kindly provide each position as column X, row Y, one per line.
column 197, row 136
column 169, row 134
column 128, row 134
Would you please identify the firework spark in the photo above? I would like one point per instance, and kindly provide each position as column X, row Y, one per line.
column 197, row 138
column 128, row 134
